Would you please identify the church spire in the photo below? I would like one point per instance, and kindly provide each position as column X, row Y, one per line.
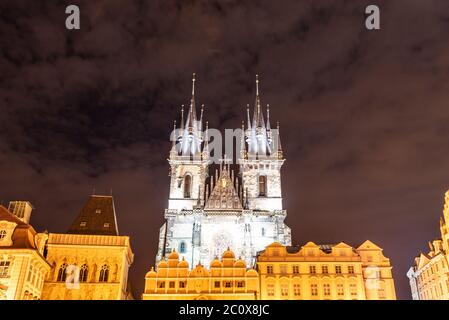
column 192, row 112
column 248, row 117
column 200, row 125
column 182, row 119
column 258, row 120
column 279, row 151
column 174, row 138
column 268, row 118
column 206, row 142
column 242, row 143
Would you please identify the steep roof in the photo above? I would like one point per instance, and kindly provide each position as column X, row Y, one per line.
column 23, row 235
column 97, row 217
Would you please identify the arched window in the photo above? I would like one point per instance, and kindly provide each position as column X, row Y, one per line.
column 263, row 232
column 262, row 186
column 104, row 273
column 84, row 272
column 182, row 247
column 25, row 296
column 61, row 273
column 187, row 186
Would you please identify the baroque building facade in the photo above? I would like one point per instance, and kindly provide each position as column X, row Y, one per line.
column 325, row 272
column 429, row 274
column 207, row 213
column 225, row 279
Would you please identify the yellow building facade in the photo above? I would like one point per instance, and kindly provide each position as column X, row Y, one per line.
column 23, row 267
column 91, row 261
column 429, row 274
column 325, row 272
column 226, row 279
column 310, row 272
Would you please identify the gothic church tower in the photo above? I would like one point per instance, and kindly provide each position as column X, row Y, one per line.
column 241, row 211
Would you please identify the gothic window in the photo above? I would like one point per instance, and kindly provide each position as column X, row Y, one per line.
column 84, row 272
column 61, row 273
column 4, row 268
column 262, row 186
column 187, row 186
column 182, row 247
column 104, row 273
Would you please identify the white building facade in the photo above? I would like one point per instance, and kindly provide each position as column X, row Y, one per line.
column 238, row 207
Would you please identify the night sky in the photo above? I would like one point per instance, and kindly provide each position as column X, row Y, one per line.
column 364, row 114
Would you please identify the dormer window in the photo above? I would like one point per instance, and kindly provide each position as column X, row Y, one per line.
column 106, row 225
column 98, row 211
column 83, row 223
column 2, row 234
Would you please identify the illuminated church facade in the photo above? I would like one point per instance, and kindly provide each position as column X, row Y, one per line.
column 209, row 213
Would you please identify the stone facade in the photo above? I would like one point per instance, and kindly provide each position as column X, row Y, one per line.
column 94, row 255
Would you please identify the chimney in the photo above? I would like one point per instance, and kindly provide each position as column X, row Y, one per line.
column 21, row 209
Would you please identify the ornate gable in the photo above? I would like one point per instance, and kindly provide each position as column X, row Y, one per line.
column 224, row 196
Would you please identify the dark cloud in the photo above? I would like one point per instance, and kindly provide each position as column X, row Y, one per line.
column 363, row 114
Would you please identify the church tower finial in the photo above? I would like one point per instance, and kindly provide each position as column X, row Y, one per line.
column 182, row 119
column 242, row 143
column 248, row 116
column 174, row 137
column 279, row 153
column 268, row 118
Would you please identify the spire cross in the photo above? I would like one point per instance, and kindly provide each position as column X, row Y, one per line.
column 193, row 84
